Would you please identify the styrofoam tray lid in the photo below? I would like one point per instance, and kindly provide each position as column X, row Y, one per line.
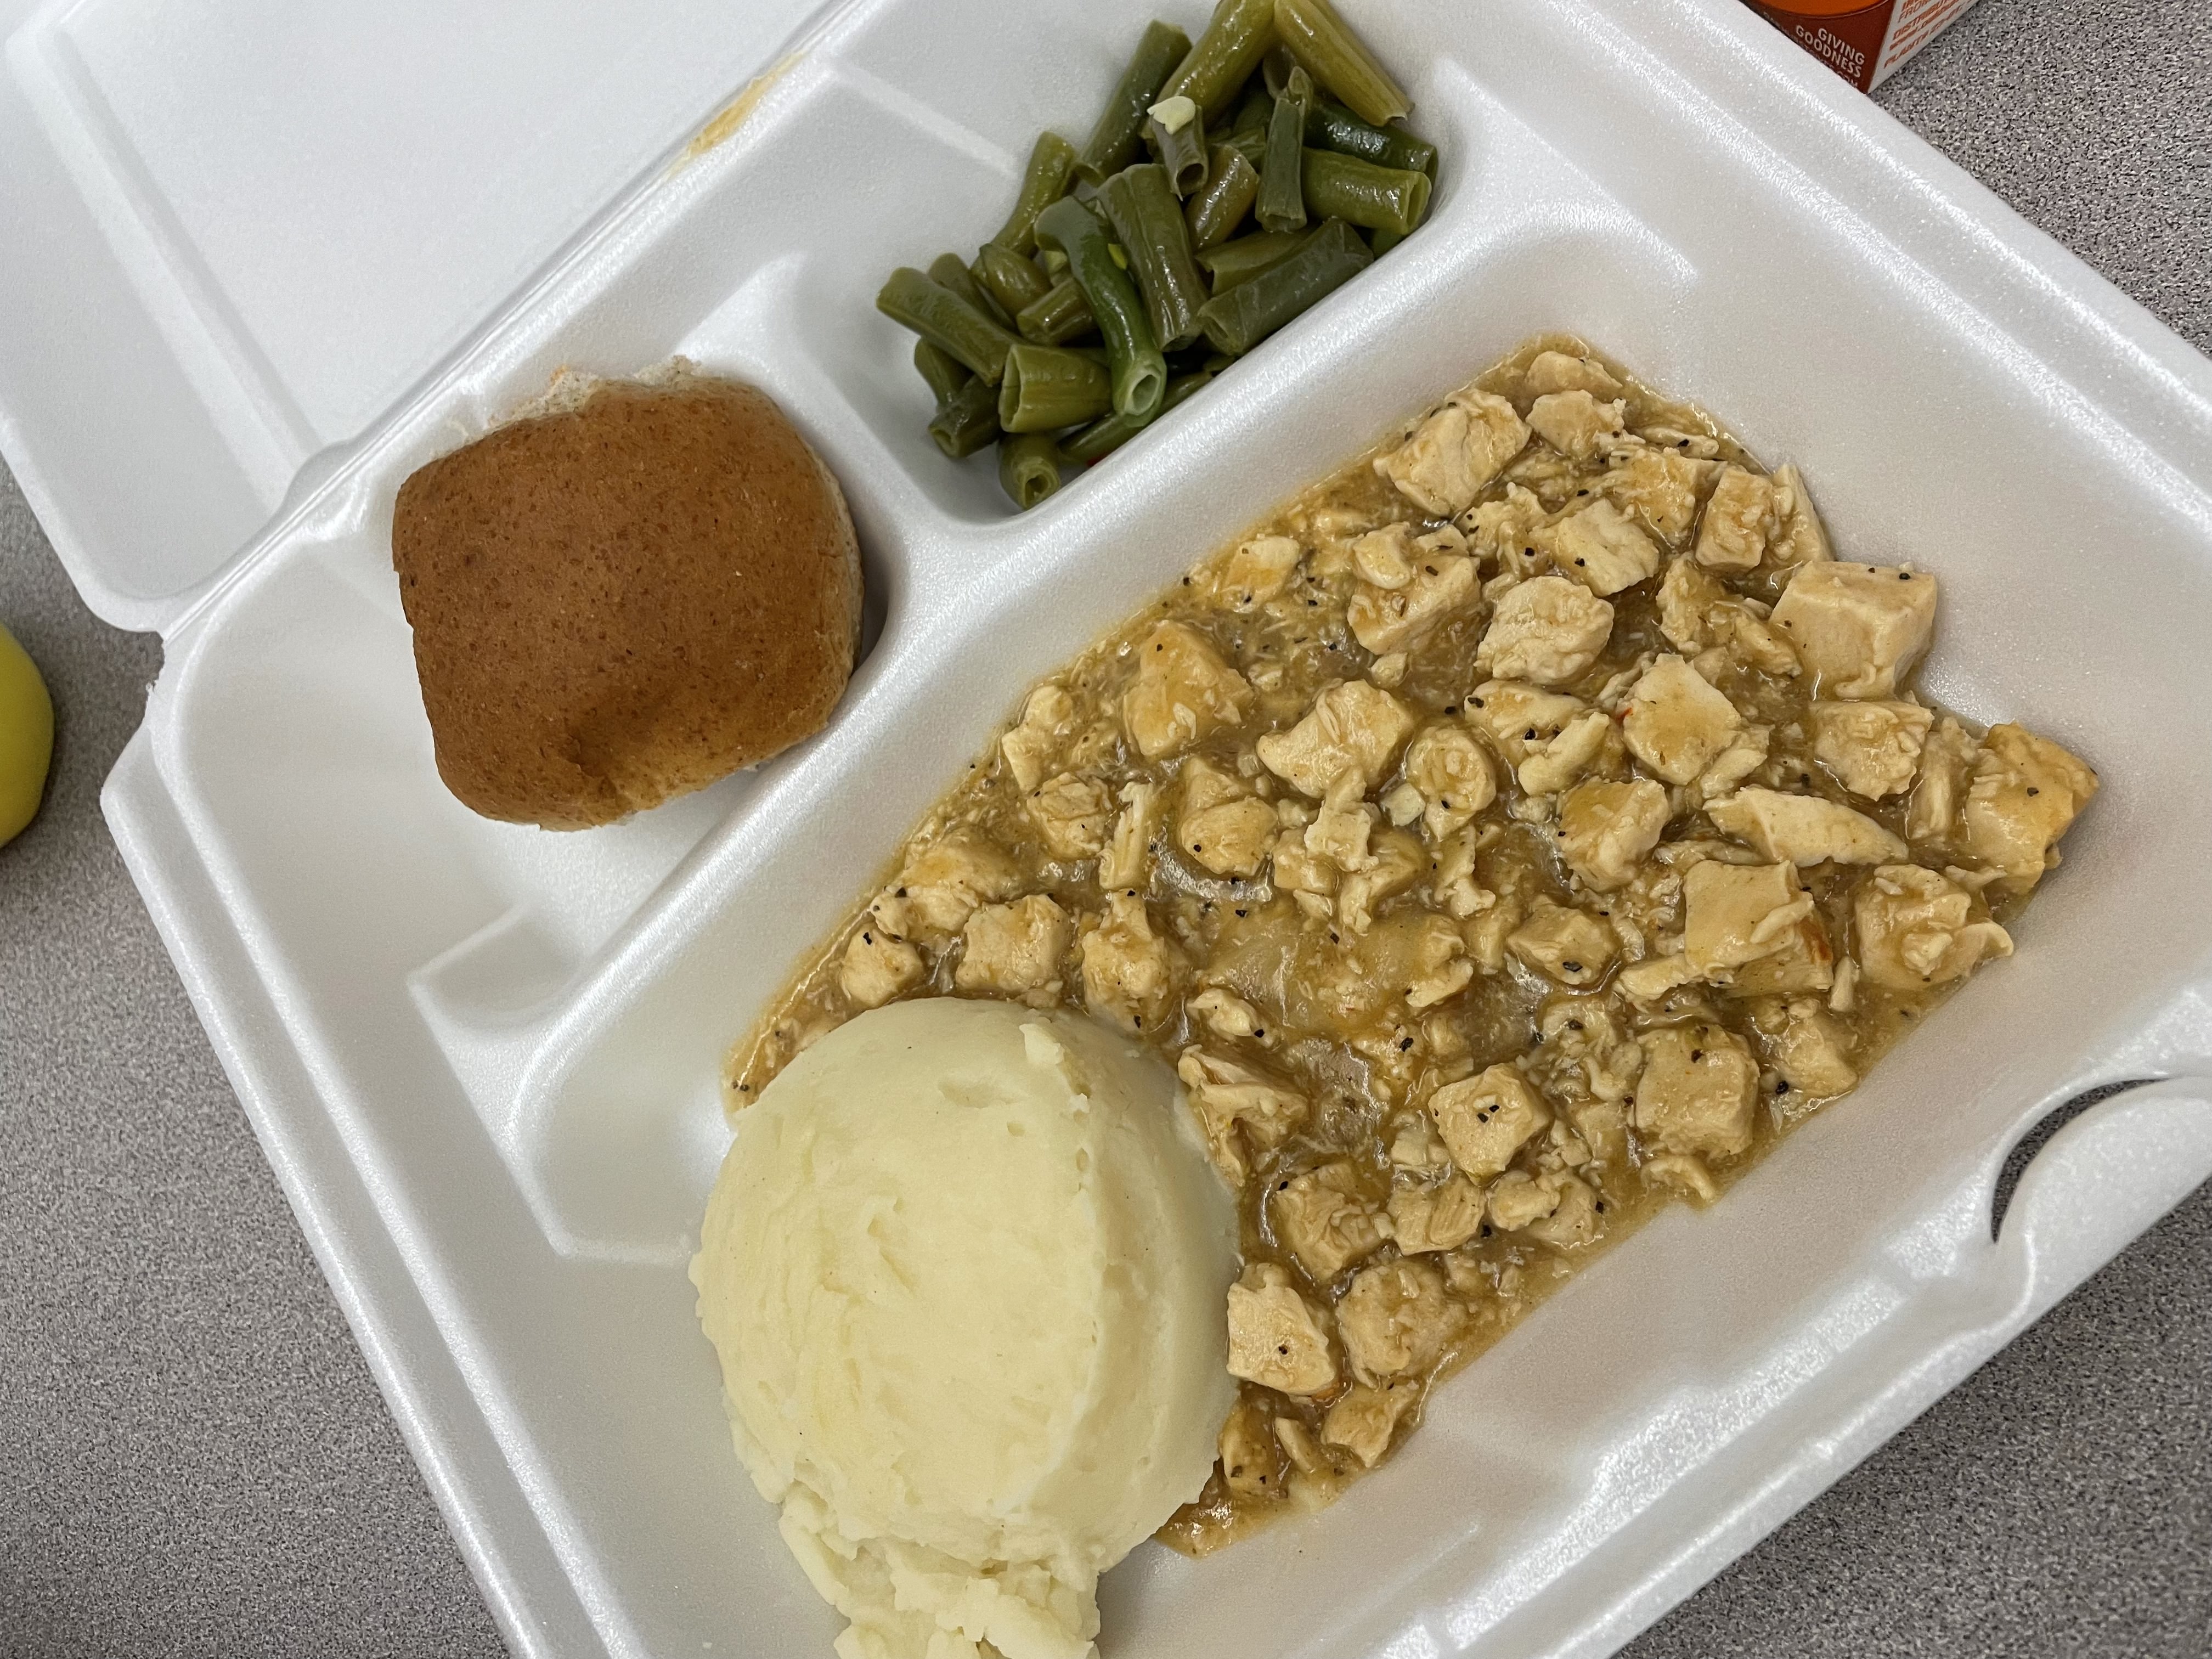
column 247, row 234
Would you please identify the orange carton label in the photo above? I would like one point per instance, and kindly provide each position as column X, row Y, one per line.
column 1864, row 44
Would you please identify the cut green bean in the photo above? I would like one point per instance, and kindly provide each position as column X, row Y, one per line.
column 1218, row 208
column 1103, row 437
column 1235, row 41
column 1116, row 141
column 1046, row 389
column 1282, row 201
column 1029, row 467
column 1382, row 241
column 1011, row 278
column 950, row 270
column 1149, row 222
column 1374, row 199
column 1338, row 60
column 1275, row 70
column 1234, row 263
column 1251, row 144
column 1181, row 148
column 1139, row 372
column 968, row 422
column 1063, row 314
column 1329, row 126
column 1239, row 320
column 945, row 318
column 946, row 373
column 1044, row 181
column 1254, row 110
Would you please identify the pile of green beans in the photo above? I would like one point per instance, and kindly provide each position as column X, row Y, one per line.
column 1229, row 184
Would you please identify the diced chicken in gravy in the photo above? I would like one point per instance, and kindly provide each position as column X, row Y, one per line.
column 1516, row 833
column 1803, row 829
column 1455, row 454
column 1602, row 548
column 1676, row 723
column 1275, row 1338
column 1872, row 748
column 1858, row 627
column 1546, row 630
column 1576, row 423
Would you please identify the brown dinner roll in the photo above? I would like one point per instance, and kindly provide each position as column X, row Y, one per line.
column 625, row 599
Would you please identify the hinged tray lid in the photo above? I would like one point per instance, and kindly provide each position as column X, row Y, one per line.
column 240, row 236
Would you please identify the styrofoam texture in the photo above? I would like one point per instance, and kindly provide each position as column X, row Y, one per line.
column 481, row 1058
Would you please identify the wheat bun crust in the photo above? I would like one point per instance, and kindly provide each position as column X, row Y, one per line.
column 626, row 598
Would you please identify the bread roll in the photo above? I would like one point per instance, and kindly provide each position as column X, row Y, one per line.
column 625, row 598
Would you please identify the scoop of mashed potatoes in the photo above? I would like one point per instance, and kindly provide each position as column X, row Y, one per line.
column 964, row 1267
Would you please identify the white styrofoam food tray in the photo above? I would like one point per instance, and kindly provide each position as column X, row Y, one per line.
column 284, row 264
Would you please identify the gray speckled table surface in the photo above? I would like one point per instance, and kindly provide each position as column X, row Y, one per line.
column 193, row 1459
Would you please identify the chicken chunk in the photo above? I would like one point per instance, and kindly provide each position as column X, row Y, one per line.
column 1227, row 1097
column 1255, row 573
column 1917, row 928
column 1800, row 538
column 1946, row 759
column 1754, row 929
column 1557, row 371
column 1575, row 423
column 1434, row 968
column 876, row 968
column 1127, row 973
column 945, row 883
column 1455, row 452
column 1395, row 863
column 1396, row 619
column 1451, row 775
column 1352, row 727
column 1439, row 1218
column 1584, row 1039
column 1860, row 628
column 1871, row 748
column 1504, row 530
column 1014, row 950
column 1697, row 1096
column 1739, row 518
column 1517, row 1198
column 1385, row 558
column 1601, row 548
column 1252, row 1459
column 1396, row 1318
column 1228, row 1015
column 1546, row 630
column 1184, row 692
column 1364, row 1418
column 1803, row 829
column 1812, row 1053
column 1569, row 946
column 1606, row 830
column 1340, row 831
column 2026, row 792
column 1663, row 487
column 1486, row 1119
column 1556, row 764
column 1275, row 1337
column 1676, row 723
column 1126, row 861
column 1520, row 720
column 1224, row 826
column 1573, row 1221
column 1030, row 747
column 1324, row 1219
column 1072, row 815
column 1688, row 596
